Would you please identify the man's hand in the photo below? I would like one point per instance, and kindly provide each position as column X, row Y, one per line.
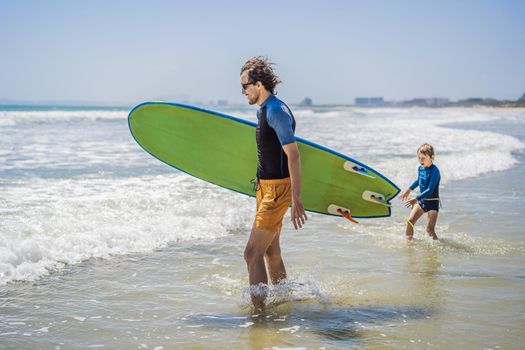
column 298, row 214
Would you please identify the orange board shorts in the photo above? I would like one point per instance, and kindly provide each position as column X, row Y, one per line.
column 273, row 199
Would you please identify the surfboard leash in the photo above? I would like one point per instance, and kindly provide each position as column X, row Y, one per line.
column 400, row 214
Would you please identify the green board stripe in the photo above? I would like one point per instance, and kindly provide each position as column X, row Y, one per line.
column 221, row 149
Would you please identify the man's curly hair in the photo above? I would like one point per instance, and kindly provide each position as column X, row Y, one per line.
column 260, row 69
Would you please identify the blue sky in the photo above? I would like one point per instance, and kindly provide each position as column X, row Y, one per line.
column 125, row 52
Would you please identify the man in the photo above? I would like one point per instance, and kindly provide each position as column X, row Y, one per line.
column 278, row 177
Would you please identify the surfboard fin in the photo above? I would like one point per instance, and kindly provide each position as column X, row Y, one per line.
column 375, row 198
column 344, row 212
column 356, row 168
column 346, row 215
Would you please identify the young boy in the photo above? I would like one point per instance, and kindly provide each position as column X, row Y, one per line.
column 428, row 199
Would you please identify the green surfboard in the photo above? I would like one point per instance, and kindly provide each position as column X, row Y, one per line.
column 222, row 150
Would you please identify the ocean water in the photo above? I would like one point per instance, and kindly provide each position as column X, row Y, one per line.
column 103, row 246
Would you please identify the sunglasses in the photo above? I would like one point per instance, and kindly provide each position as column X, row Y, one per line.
column 245, row 86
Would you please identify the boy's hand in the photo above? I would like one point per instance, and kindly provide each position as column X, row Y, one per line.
column 405, row 194
column 410, row 203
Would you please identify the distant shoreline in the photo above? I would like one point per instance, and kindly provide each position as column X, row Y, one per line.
column 11, row 107
column 414, row 106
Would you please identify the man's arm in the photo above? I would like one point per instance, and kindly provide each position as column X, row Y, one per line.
column 294, row 166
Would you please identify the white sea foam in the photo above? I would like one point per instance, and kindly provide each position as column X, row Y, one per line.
column 50, row 222
column 9, row 118
column 295, row 288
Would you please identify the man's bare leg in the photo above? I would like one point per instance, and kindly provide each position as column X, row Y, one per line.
column 256, row 247
column 415, row 214
column 274, row 261
column 431, row 227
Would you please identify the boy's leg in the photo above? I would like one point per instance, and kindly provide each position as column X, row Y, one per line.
column 432, row 219
column 415, row 214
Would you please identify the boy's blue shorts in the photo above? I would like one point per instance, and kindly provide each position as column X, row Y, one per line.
column 428, row 205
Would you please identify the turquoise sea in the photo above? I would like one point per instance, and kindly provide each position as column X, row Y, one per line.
column 103, row 246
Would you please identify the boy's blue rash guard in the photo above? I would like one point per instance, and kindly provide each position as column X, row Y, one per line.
column 428, row 181
column 279, row 118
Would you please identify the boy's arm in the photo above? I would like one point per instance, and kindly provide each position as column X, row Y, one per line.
column 406, row 192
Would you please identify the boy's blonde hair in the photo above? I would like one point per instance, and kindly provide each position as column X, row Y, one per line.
column 427, row 150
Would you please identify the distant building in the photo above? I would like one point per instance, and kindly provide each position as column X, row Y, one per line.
column 437, row 101
column 222, row 102
column 369, row 101
column 429, row 101
column 307, row 102
column 471, row 101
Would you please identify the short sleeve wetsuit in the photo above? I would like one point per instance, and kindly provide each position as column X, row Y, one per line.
column 275, row 129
